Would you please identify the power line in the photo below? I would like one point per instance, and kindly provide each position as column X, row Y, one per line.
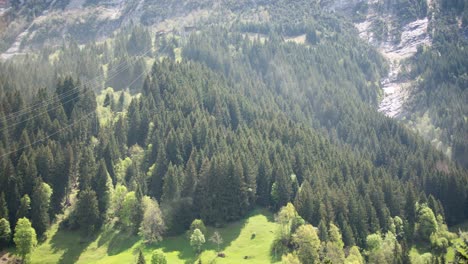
column 66, row 127
column 48, row 136
column 101, row 77
column 58, row 102
column 72, row 124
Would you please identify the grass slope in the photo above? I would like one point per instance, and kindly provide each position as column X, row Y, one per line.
column 113, row 246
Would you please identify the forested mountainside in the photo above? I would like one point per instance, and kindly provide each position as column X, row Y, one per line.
column 259, row 104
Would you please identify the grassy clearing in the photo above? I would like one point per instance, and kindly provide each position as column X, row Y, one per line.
column 301, row 39
column 113, row 246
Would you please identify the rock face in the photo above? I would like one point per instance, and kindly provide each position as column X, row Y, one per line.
column 343, row 6
column 400, row 43
column 396, row 90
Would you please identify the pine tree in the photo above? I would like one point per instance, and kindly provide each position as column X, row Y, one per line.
column 40, row 204
column 141, row 258
column 101, row 187
column 283, row 186
column 87, row 211
column 191, row 177
column 25, row 207
column 3, row 207
column 323, row 231
column 172, row 186
column 5, row 232
column 303, row 201
column 264, row 182
column 87, row 168
column 156, row 179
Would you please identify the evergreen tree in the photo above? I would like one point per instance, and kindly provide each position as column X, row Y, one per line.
column 3, row 207
column 87, row 169
column 172, row 184
column 323, row 231
column 101, row 184
column 87, row 212
column 5, row 232
column 25, row 207
column 40, row 204
column 141, row 258
column 282, row 191
column 264, row 182
column 303, row 201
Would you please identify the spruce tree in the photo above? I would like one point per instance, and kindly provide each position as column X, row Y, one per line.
column 40, row 204
column 101, row 187
column 87, row 212
column 3, row 207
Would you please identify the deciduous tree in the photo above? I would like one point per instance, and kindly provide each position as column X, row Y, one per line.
column 25, row 238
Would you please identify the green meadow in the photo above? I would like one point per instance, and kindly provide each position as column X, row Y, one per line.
column 246, row 241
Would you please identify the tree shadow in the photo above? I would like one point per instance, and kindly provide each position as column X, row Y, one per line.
column 181, row 244
column 66, row 241
column 120, row 241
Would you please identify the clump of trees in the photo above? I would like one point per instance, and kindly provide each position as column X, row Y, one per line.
column 236, row 124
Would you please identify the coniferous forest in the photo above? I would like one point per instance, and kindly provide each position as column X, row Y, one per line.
column 159, row 135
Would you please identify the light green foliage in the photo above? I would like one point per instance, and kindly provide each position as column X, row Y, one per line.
column 307, row 243
column 5, row 232
column 197, row 224
column 354, row 256
column 461, row 247
column 399, row 227
column 439, row 243
column 333, row 249
column 290, row 259
column 426, row 222
column 158, row 257
column 121, row 168
column 285, row 218
column 152, row 226
column 422, row 259
column 333, row 252
column 130, row 209
column 374, row 242
column 118, row 198
column 334, row 235
column 383, row 250
column 121, row 247
column 25, row 238
column 197, row 239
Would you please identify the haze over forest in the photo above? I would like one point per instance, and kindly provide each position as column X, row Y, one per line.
column 234, row 131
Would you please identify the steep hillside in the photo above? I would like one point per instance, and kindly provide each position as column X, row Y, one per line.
column 117, row 130
column 404, row 32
